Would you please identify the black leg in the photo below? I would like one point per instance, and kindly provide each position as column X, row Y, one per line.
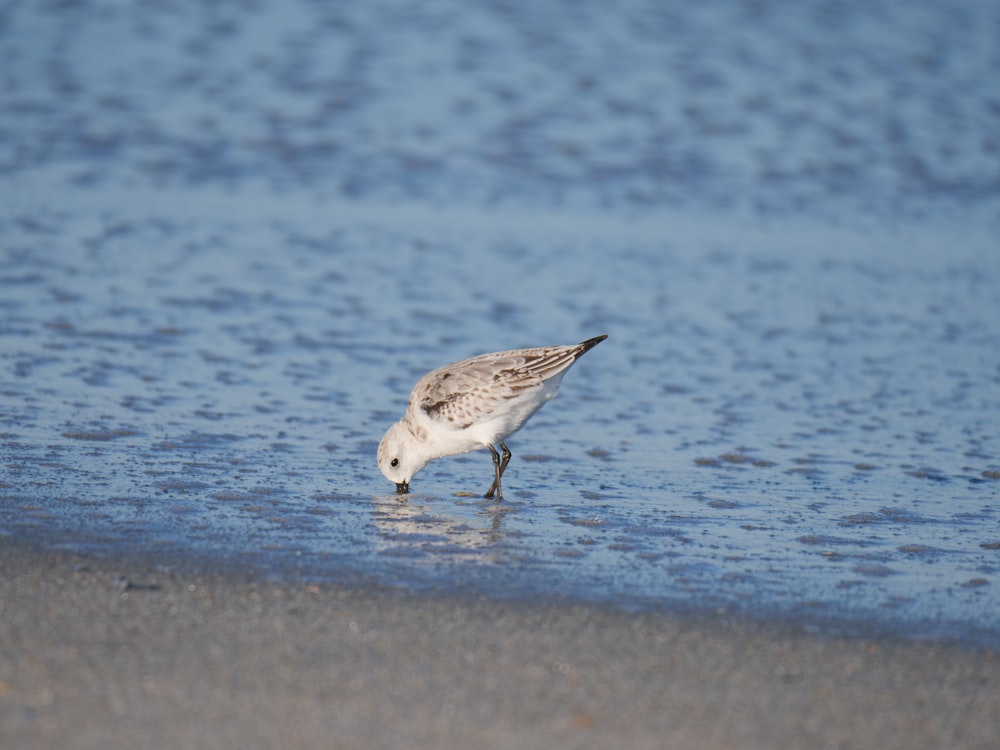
column 499, row 465
column 495, row 487
column 505, row 459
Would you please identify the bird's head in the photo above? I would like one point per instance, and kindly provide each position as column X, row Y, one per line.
column 399, row 457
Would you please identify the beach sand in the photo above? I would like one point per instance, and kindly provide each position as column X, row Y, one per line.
column 116, row 652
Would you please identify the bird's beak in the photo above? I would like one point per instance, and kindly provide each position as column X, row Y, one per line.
column 402, row 488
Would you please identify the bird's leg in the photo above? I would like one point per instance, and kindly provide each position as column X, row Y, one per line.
column 499, row 465
column 505, row 458
column 495, row 487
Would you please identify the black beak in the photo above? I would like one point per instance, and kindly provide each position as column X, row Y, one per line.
column 402, row 488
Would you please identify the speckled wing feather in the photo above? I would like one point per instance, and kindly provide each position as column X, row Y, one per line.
column 467, row 392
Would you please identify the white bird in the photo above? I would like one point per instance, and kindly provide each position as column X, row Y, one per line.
column 472, row 404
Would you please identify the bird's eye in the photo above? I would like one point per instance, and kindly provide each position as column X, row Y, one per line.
column 394, row 463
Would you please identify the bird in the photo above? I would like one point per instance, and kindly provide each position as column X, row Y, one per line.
column 473, row 404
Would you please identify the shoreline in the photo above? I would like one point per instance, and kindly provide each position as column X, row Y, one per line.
column 115, row 650
column 288, row 568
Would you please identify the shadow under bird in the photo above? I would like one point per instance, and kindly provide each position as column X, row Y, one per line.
column 473, row 404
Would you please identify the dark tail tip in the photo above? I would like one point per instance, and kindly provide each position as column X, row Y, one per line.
column 586, row 346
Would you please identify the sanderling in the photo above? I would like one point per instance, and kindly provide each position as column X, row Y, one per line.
column 473, row 404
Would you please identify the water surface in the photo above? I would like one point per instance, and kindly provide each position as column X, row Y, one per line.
column 232, row 239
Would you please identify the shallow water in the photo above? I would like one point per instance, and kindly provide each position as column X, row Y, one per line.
column 232, row 240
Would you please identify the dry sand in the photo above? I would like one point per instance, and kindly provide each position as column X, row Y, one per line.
column 122, row 653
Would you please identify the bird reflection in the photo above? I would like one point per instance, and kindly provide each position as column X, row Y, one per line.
column 407, row 527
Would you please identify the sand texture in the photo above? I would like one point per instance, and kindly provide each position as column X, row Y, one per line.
column 108, row 653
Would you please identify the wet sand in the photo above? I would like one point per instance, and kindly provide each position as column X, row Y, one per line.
column 118, row 652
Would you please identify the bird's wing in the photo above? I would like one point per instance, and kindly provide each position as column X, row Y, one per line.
column 467, row 392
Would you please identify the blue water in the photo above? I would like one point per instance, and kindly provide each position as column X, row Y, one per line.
column 232, row 237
